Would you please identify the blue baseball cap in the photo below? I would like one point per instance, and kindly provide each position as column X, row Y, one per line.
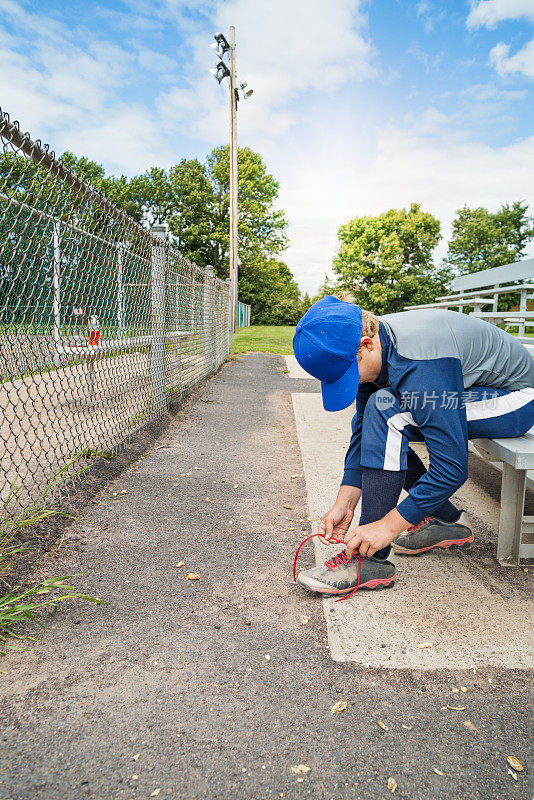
column 325, row 344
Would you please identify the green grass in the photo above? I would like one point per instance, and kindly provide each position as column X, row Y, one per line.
column 264, row 339
column 20, row 605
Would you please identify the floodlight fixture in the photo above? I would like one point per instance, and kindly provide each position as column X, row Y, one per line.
column 242, row 93
column 220, row 71
column 248, row 93
column 219, row 52
column 222, row 42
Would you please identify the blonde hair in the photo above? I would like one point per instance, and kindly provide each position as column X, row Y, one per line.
column 369, row 320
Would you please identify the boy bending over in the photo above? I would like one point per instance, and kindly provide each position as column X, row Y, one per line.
column 428, row 375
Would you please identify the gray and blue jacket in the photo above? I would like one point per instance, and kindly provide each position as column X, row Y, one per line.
column 437, row 351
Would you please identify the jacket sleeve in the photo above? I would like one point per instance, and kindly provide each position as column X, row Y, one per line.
column 432, row 391
column 352, row 475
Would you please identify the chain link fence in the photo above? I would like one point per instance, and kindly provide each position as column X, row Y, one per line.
column 102, row 324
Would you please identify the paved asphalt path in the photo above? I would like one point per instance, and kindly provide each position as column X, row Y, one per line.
column 213, row 688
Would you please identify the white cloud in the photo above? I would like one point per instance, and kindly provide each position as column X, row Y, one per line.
column 429, row 164
column 487, row 13
column 522, row 61
column 432, row 17
column 67, row 92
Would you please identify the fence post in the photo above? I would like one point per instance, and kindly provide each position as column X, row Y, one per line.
column 209, row 321
column 57, row 293
column 120, row 292
column 159, row 383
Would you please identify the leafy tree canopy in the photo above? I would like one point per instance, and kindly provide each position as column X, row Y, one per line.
column 482, row 239
column 386, row 261
column 193, row 198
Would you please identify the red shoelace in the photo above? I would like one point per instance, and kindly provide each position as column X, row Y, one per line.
column 413, row 528
column 337, row 561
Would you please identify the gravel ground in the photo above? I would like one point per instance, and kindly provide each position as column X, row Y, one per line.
column 214, row 688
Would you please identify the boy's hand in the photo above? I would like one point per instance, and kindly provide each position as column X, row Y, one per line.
column 335, row 523
column 367, row 539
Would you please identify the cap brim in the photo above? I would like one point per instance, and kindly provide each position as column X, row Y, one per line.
column 341, row 393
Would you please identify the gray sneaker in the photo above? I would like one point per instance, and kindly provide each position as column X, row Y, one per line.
column 339, row 575
column 433, row 532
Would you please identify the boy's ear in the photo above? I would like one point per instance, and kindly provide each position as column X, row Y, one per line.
column 367, row 342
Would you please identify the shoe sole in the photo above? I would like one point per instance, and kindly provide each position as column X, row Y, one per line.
column 377, row 584
column 459, row 544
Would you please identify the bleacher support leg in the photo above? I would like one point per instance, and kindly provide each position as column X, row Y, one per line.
column 511, row 516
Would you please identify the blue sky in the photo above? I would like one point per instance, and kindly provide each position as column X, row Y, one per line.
column 358, row 106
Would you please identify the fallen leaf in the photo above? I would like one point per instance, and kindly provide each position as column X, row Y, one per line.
column 286, row 506
column 515, row 764
column 422, row 645
column 208, row 500
column 392, row 785
column 338, row 707
column 463, row 689
column 304, row 620
column 136, row 757
column 384, row 727
column 124, row 491
column 192, row 576
column 455, row 690
column 135, row 777
column 204, row 400
column 155, row 793
column 469, row 725
column 438, row 771
column 267, row 657
column 236, row 485
column 455, row 708
column 300, row 780
column 513, row 774
column 181, row 564
column 300, row 769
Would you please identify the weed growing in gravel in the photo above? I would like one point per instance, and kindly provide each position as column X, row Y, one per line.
column 21, row 605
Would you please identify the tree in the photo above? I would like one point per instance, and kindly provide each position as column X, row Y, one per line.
column 191, row 220
column 482, row 239
column 192, row 197
column 261, row 227
column 272, row 292
column 386, row 261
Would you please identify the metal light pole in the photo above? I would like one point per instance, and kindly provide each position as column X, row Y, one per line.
column 221, row 71
column 234, row 270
